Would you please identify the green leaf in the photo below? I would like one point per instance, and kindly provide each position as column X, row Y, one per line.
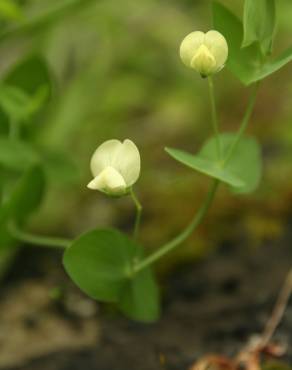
column 17, row 155
column 100, row 263
column 272, row 66
column 245, row 63
column 31, row 75
column 13, row 101
column 242, row 172
column 241, row 62
column 207, row 166
column 245, row 163
column 140, row 297
column 25, row 197
column 259, row 23
column 26, row 88
column 17, row 104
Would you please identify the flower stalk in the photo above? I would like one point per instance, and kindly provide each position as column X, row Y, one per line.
column 139, row 210
column 214, row 116
column 166, row 248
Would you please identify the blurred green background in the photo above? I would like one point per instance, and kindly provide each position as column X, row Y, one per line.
column 117, row 74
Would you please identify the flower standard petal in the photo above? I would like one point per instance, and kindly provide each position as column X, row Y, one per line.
column 190, row 46
column 128, row 162
column 104, row 156
column 205, row 53
column 218, row 47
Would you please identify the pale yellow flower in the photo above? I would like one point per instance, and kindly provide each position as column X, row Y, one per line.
column 115, row 166
column 206, row 53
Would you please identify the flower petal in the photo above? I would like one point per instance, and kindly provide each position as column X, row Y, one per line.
column 190, row 46
column 104, row 156
column 217, row 45
column 128, row 162
column 109, row 181
column 204, row 62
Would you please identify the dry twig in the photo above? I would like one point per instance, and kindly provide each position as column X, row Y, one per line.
column 249, row 357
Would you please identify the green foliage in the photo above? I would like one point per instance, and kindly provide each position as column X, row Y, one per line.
column 9, row 10
column 59, row 167
column 241, row 61
column 204, row 165
column 25, row 197
column 18, row 105
column 247, row 63
column 26, row 89
column 245, row 162
column 259, row 23
column 242, row 171
column 17, row 155
column 101, row 262
column 140, row 297
column 32, row 75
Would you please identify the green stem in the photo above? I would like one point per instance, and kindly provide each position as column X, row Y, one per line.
column 166, row 248
column 40, row 241
column 245, row 121
column 214, row 115
column 139, row 210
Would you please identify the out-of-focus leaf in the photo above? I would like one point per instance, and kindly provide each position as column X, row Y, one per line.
column 17, row 155
column 13, row 101
column 259, row 23
column 9, row 10
column 18, row 105
column 60, row 167
column 25, row 197
column 32, row 75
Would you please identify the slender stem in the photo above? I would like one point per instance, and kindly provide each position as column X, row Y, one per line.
column 40, row 241
column 279, row 310
column 166, row 248
column 214, row 115
column 139, row 210
column 244, row 123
